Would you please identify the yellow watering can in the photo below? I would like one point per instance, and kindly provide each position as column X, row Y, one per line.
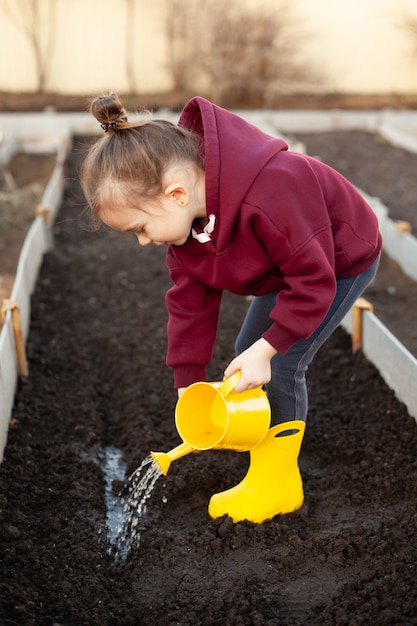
column 212, row 415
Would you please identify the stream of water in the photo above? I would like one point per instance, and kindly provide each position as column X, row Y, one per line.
column 126, row 512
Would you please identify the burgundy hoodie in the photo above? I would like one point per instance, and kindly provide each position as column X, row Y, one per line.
column 285, row 223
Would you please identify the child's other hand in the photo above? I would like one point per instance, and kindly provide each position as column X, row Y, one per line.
column 254, row 364
column 180, row 391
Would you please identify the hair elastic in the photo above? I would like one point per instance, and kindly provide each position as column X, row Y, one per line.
column 114, row 123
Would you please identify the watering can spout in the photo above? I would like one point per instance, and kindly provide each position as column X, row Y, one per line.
column 163, row 460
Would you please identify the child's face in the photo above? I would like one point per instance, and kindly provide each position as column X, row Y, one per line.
column 161, row 221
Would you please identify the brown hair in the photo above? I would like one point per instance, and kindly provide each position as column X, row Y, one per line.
column 133, row 156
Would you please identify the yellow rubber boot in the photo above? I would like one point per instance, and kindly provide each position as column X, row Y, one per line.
column 273, row 482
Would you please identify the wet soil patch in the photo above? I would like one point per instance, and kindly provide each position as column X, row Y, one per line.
column 97, row 377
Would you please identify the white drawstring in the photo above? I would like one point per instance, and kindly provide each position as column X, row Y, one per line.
column 204, row 237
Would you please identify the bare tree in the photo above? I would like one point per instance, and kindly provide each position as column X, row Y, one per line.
column 36, row 19
column 130, row 45
column 409, row 24
column 245, row 54
column 180, row 16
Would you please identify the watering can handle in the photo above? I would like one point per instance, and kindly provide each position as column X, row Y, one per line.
column 230, row 383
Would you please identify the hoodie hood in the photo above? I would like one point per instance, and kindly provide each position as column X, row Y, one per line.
column 235, row 152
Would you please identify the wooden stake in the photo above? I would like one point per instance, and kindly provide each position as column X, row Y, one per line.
column 9, row 305
column 360, row 305
column 402, row 227
column 43, row 211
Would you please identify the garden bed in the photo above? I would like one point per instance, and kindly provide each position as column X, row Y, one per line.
column 21, row 187
column 97, row 379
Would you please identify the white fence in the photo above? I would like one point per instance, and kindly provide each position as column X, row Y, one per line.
column 16, row 310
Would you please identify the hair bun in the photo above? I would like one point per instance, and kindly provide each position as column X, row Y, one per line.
column 108, row 111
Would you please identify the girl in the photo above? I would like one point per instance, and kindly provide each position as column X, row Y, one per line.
column 238, row 212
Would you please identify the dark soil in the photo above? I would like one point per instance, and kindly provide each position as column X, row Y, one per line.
column 97, row 378
column 10, row 101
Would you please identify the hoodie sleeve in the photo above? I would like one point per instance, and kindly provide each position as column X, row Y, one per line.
column 296, row 231
column 311, row 287
column 193, row 313
column 314, row 226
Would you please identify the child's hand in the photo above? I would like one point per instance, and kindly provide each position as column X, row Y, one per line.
column 254, row 364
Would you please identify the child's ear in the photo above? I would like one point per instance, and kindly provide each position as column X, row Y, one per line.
column 177, row 192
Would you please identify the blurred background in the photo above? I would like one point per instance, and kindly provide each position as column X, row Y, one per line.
column 239, row 53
